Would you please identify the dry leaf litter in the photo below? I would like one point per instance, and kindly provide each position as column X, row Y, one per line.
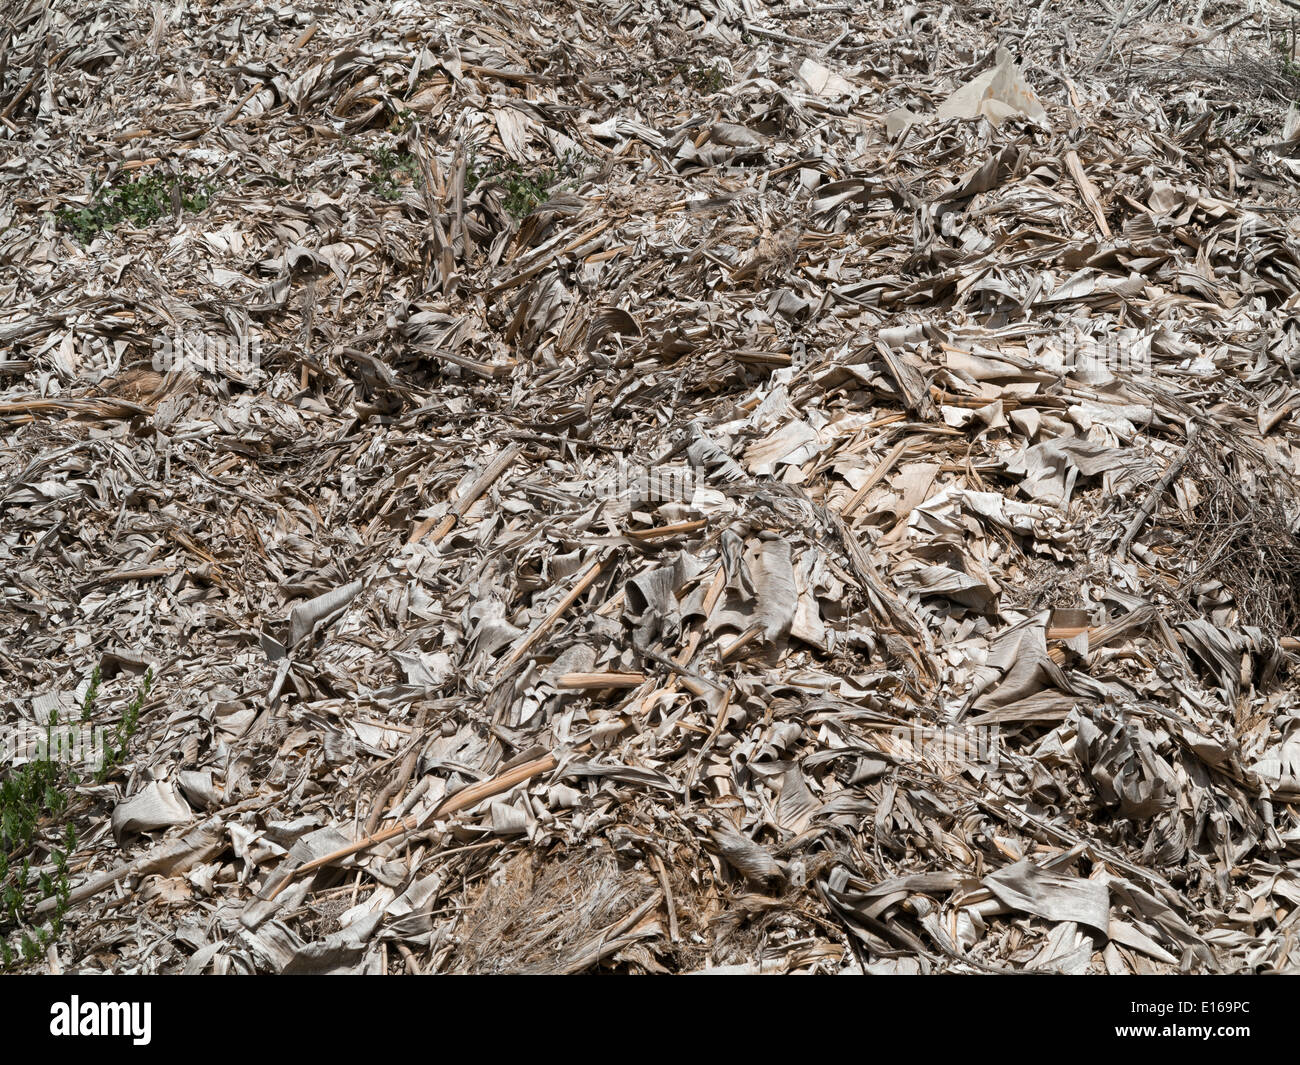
column 671, row 487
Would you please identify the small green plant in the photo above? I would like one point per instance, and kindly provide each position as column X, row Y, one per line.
column 140, row 202
column 524, row 190
column 92, row 693
column 703, row 78
column 402, row 121
column 525, row 194
column 115, row 750
column 26, row 799
column 33, row 800
column 392, row 172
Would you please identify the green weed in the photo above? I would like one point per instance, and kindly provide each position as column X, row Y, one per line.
column 115, row 750
column 402, row 121
column 524, row 190
column 392, row 172
column 702, row 78
column 33, row 800
column 92, row 693
column 139, row 202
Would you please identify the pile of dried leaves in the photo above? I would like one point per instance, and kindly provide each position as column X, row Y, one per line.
column 660, row 487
